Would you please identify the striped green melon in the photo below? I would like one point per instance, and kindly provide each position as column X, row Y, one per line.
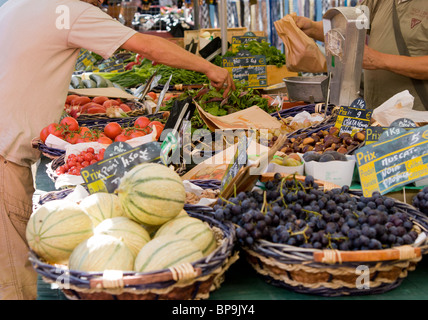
column 101, row 252
column 190, row 228
column 102, row 205
column 166, row 251
column 151, row 194
column 56, row 228
column 133, row 234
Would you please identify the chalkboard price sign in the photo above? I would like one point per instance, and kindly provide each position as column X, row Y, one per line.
column 374, row 134
column 240, row 40
column 394, row 162
column 353, row 119
column 105, row 175
column 249, row 69
column 239, row 160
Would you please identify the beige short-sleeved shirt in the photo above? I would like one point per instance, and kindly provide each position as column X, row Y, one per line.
column 40, row 43
column 380, row 85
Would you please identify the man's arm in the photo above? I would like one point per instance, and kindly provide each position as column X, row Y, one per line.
column 412, row 67
column 165, row 52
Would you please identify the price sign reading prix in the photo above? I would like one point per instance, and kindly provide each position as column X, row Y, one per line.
column 249, row 69
column 354, row 118
column 120, row 157
column 393, row 161
column 249, row 36
column 374, row 133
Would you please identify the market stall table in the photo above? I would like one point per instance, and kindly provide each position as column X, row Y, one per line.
column 243, row 283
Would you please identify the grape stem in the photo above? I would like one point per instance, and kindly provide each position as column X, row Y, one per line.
column 302, row 232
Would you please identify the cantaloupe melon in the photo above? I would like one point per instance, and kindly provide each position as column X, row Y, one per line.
column 133, row 234
column 56, row 228
column 166, row 251
column 101, row 252
column 151, row 194
column 190, row 228
column 102, row 205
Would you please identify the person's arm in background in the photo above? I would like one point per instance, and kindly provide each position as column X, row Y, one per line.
column 412, row 67
column 165, row 52
column 313, row 29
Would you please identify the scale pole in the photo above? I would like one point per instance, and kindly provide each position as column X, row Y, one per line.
column 223, row 26
column 196, row 14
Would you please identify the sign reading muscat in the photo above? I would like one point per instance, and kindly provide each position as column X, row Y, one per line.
column 393, row 161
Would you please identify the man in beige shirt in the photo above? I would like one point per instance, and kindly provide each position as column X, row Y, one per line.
column 386, row 72
column 40, row 44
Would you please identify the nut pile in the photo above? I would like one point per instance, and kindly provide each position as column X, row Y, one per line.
column 192, row 198
column 324, row 140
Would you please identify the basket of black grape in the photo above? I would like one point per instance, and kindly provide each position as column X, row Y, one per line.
column 304, row 235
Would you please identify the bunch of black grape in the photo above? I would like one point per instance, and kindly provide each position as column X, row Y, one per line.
column 420, row 201
column 299, row 213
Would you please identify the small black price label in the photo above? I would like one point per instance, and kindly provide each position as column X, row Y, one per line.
column 105, row 175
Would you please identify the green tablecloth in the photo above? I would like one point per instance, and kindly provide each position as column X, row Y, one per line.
column 243, row 283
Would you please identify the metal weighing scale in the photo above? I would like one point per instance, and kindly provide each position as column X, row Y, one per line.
column 345, row 33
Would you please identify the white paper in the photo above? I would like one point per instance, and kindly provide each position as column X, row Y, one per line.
column 337, row 172
column 55, row 142
column 78, row 194
column 397, row 107
column 67, row 180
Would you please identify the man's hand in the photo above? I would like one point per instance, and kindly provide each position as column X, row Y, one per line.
column 220, row 78
column 311, row 28
column 372, row 59
column 304, row 24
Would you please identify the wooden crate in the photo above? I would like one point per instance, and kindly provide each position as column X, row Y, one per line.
column 276, row 75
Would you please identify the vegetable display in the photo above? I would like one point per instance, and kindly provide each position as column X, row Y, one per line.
column 140, row 73
column 272, row 54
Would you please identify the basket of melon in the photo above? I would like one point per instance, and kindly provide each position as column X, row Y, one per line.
column 137, row 243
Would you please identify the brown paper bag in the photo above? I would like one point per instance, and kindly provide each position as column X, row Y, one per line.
column 250, row 118
column 301, row 52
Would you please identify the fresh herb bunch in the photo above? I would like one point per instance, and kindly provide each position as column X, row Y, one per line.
column 272, row 54
column 141, row 73
column 212, row 101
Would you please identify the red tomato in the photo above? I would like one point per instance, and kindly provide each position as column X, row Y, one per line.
column 112, row 130
column 88, row 156
column 56, row 129
column 85, row 164
column 72, row 137
column 141, row 122
column 136, row 134
column 90, row 150
column 70, row 124
column 121, row 137
column 44, row 134
column 104, row 140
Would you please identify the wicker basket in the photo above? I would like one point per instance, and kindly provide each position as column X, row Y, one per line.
column 185, row 282
column 334, row 272
column 93, row 123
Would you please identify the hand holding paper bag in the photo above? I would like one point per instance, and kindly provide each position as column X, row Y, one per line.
column 302, row 53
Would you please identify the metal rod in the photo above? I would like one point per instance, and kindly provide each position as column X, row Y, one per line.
column 196, row 14
column 223, row 26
